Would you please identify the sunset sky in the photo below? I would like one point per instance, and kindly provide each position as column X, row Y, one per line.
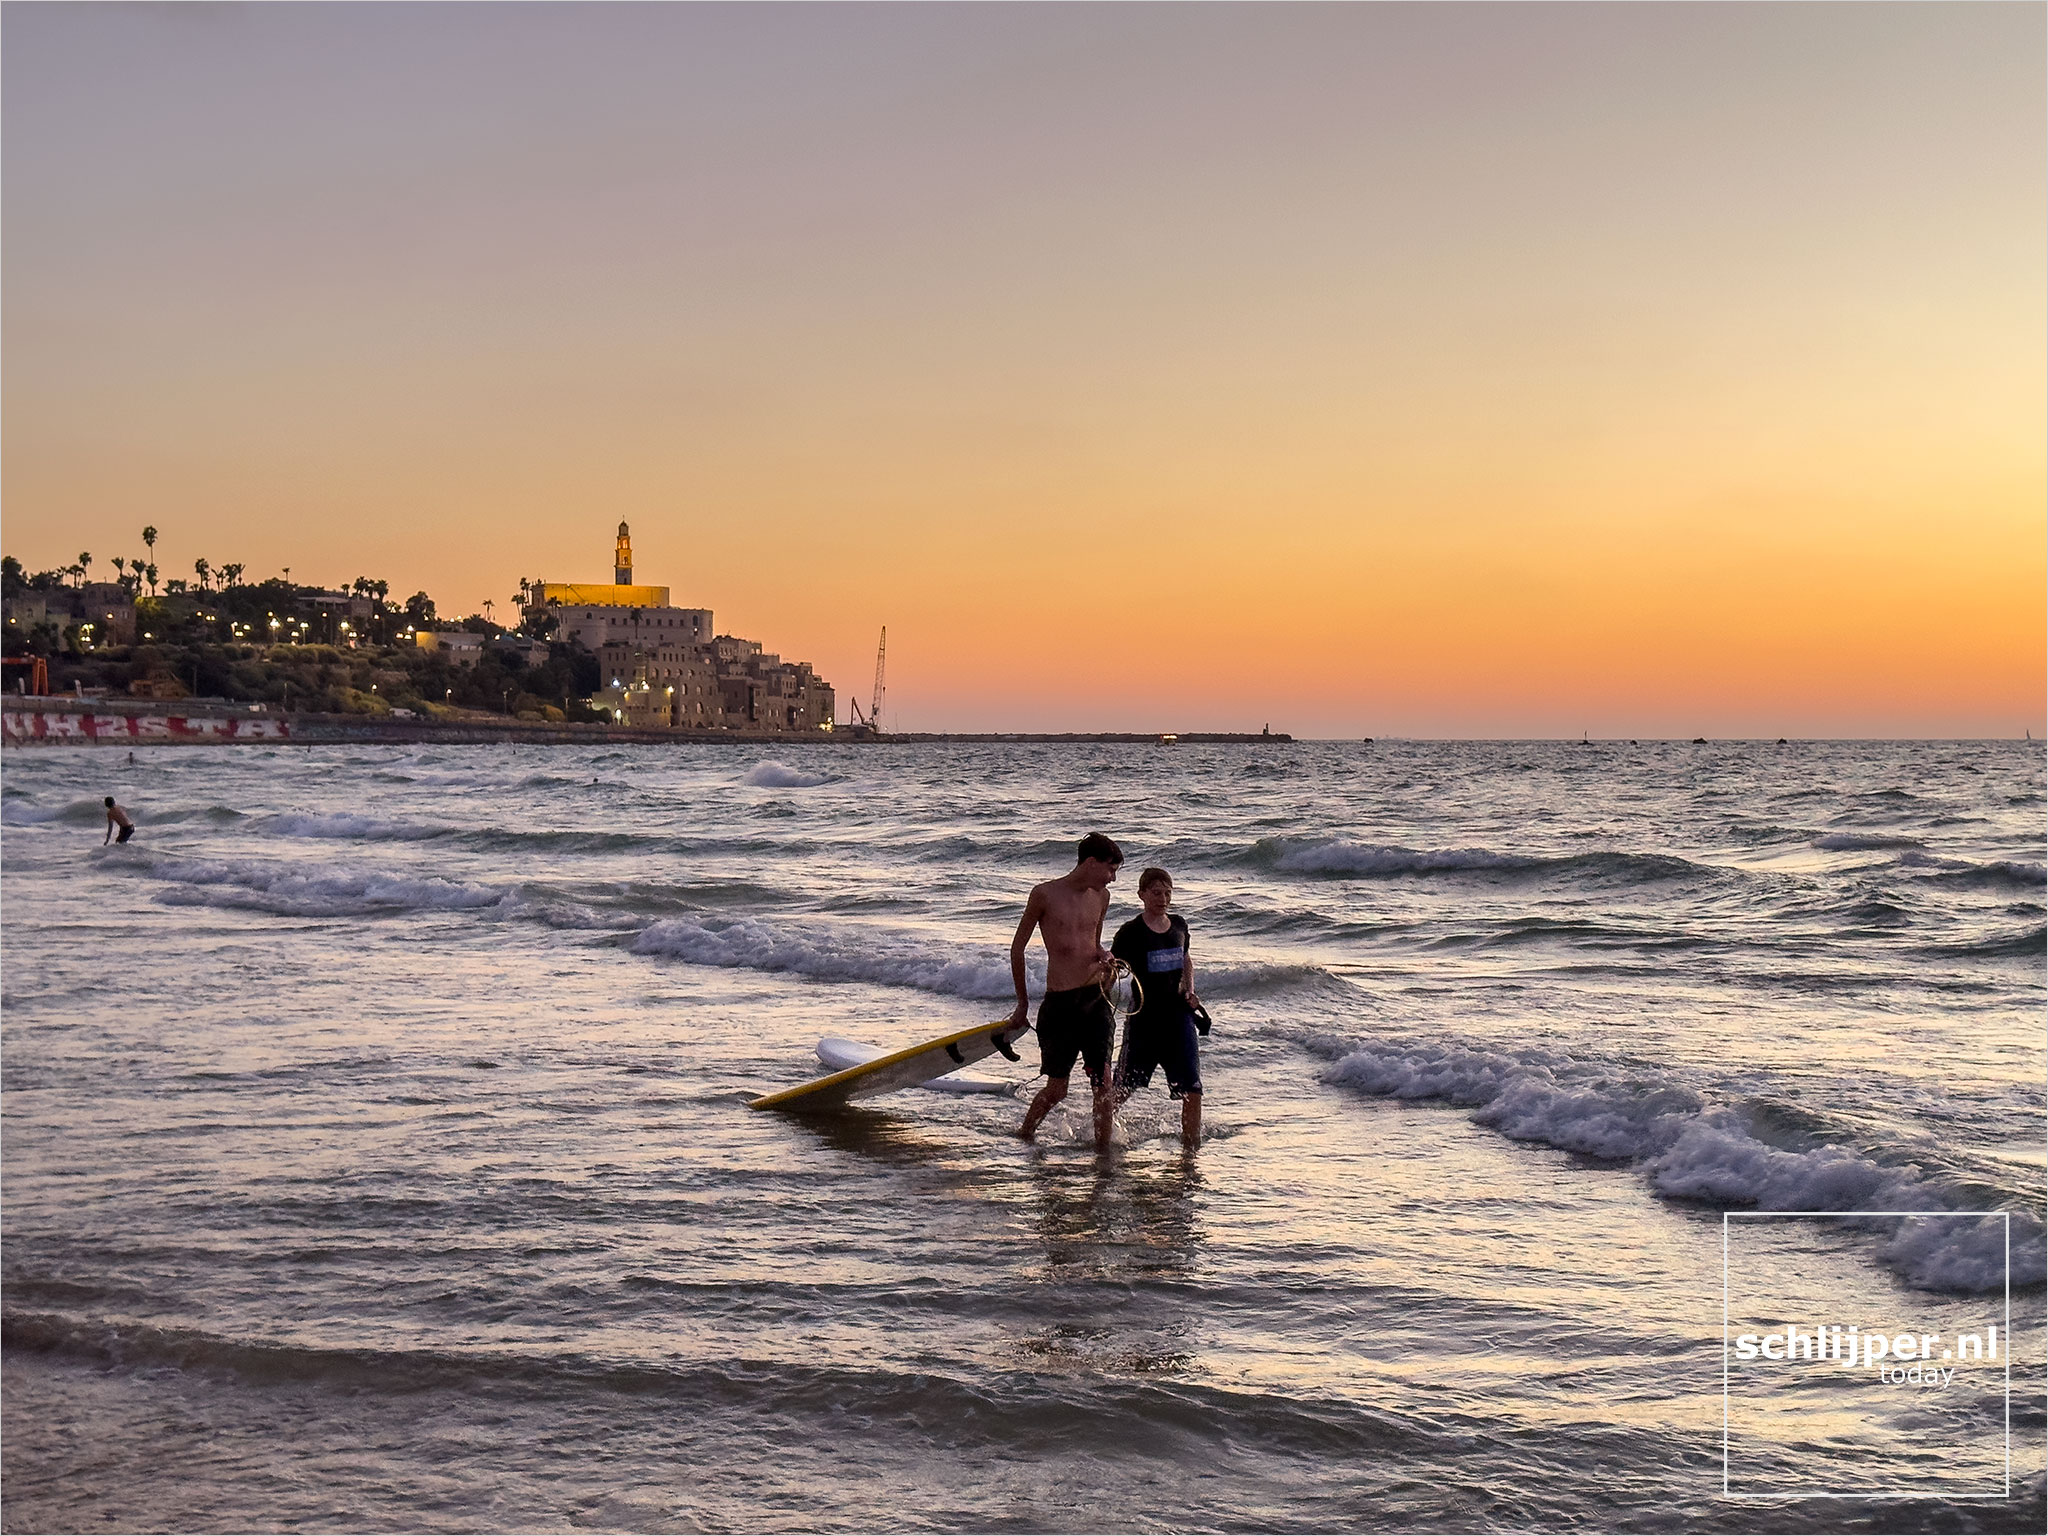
column 1380, row 370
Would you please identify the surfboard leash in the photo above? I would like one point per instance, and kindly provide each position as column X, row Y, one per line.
column 1120, row 1039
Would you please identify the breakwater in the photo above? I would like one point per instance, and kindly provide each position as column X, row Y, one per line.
column 30, row 722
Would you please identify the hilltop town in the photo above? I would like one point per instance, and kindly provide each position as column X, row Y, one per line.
column 608, row 652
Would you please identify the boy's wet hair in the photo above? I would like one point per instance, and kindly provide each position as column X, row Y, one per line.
column 1097, row 846
column 110, row 802
column 1154, row 876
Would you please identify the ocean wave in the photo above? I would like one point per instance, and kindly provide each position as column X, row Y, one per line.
column 1991, row 873
column 316, row 892
column 575, row 841
column 1340, row 857
column 885, row 957
column 78, row 813
column 1864, row 842
column 862, row 954
column 1583, row 934
column 2030, row 943
column 769, row 774
column 1686, row 1149
column 1049, row 1412
column 214, row 815
column 347, row 824
column 1257, row 979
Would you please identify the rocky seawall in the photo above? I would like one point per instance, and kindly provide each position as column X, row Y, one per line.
column 71, row 722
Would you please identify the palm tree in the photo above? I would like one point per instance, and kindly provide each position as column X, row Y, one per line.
column 203, row 571
column 149, row 538
column 84, row 565
column 231, row 575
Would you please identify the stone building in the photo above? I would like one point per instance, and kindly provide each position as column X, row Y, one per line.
column 102, row 611
column 663, row 665
column 684, row 676
column 762, row 692
column 596, row 614
column 730, row 685
column 457, row 645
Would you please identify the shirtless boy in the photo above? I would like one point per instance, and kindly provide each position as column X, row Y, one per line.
column 116, row 817
column 1074, row 1019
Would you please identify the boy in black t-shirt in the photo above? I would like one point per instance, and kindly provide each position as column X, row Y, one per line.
column 1154, row 945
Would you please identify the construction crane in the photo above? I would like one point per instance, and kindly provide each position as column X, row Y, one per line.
column 873, row 719
column 881, row 656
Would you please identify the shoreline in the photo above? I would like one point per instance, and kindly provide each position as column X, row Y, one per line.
column 67, row 722
column 56, row 721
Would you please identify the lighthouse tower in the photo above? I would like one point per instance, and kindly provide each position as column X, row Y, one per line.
column 623, row 561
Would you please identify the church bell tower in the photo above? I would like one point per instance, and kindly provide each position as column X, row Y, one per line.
column 622, row 561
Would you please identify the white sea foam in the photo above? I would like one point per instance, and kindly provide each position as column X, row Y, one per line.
column 769, row 774
column 315, row 891
column 849, row 954
column 1689, row 1150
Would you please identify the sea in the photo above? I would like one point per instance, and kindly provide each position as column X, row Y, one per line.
column 375, row 1150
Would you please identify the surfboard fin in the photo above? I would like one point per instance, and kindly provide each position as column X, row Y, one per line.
column 1004, row 1046
column 954, row 1052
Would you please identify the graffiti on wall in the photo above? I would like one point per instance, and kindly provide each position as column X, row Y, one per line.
column 22, row 727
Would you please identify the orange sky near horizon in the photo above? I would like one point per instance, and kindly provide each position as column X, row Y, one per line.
column 1467, row 371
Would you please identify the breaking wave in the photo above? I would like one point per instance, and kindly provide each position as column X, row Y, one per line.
column 316, row 891
column 1687, row 1149
column 844, row 955
column 770, row 774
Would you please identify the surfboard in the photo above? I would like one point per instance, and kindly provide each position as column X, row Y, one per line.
column 839, row 1053
column 906, row 1068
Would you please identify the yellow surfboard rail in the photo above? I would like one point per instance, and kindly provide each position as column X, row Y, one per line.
column 992, row 1037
